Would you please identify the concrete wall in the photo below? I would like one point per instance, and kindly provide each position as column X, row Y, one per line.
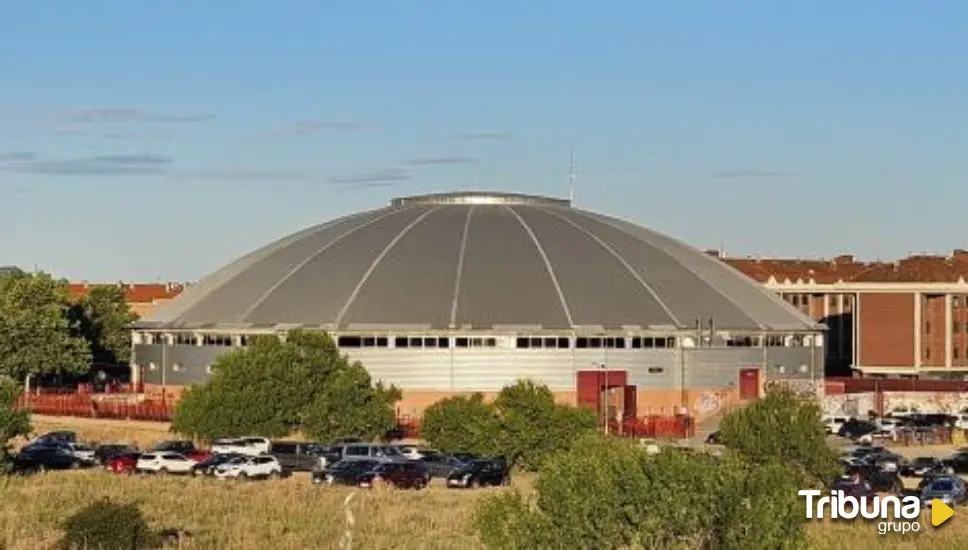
column 858, row 404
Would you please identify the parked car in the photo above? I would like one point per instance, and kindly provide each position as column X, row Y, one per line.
column 856, row 489
column 182, row 447
column 374, row 451
column 412, row 452
column 207, row 466
column 82, row 452
column 250, row 467
column 61, row 436
column 439, row 464
column 713, row 439
column 104, row 452
column 958, row 462
column 854, row 428
column 404, row 474
column 880, row 481
column 123, row 463
column 164, row 462
column 40, row 458
column 948, row 489
column 251, row 446
column 345, row 472
column 921, row 466
column 832, row 424
column 479, row 473
column 297, row 456
column 465, row 457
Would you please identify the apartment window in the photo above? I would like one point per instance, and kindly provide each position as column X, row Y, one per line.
column 611, row 342
column 795, row 300
column 927, row 353
column 954, row 353
column 955, row 301
column 656, row 370
column 956, row 327
column 927, row 327
column 832, row 300
column 184, row 339
column 217, row 340
column 244, row 340
column 463, row 342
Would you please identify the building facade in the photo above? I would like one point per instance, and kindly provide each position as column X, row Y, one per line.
column 467, row 292
column 143, row 298
column 903, row 318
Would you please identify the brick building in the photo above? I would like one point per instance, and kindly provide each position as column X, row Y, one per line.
column 142, row 297
column 908, row 317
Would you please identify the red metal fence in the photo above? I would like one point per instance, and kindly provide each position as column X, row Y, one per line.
column 87, row 406
column 656, row 426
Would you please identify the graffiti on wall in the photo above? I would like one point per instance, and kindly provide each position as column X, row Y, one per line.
column 803, row 388
column 711, row 402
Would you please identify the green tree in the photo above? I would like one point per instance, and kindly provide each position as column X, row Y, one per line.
column 37, row 335
column 524, row 424
column 274, row 387
column 462, row 423
column 782, row 427
column 605, row 493
column 13, row 421
column 533, row 426
column 102, row 318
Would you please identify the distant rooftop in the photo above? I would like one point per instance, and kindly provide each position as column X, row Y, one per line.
column 480, row 197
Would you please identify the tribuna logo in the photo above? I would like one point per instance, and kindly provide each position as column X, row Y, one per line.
column 896, row 514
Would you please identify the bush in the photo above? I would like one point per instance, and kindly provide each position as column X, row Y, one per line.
column 273, row 388
column 523, row 424
column 105, row 525
column 605, row 493
column 782, row 427
column 13, row 422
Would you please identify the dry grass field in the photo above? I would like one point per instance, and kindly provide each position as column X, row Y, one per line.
column 294, row 514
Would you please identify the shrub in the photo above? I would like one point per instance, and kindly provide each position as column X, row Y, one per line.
column 273, row 388
column 782, row 427
column 523, row 424
column 105, row 525
column 13, row 422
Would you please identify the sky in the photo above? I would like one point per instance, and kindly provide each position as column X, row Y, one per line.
column 144, row 141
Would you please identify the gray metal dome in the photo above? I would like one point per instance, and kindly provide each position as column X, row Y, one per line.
column 477, row 261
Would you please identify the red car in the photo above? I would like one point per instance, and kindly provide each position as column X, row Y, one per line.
column 123, row 463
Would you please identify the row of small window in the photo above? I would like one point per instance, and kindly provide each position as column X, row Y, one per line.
column 413, row 342
column 803, row 300
column 191, row 339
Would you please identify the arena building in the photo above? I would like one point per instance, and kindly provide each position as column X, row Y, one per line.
column 454, row 293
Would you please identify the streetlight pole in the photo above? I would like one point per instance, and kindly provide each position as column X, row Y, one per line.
column 608, row 395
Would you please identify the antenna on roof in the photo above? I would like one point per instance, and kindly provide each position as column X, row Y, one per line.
column 571, row 179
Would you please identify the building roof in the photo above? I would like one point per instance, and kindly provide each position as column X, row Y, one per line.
column 469, row 261
column 135, row 293
column 913, row 269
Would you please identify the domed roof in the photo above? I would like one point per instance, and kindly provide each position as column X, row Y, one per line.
column 477, row 261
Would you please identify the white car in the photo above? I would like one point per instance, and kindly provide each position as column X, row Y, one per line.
column 164, row 463
column 250, row 467
column 414, row 452
column 252, row 446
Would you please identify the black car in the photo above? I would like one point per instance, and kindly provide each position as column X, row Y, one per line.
column 439, row 465
column 480, row 473
column 40, row 458
column 921, row 466
column 714, row 439
column 880, row 481
column 854, row 488
column 854, row 428
column 62, row 437
column 958, row 462
column 465, row 457
column 345, row 472
column 408, row 474
column 207, row 466
column 103, row 453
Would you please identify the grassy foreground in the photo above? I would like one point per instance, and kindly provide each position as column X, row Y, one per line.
column 293, row 514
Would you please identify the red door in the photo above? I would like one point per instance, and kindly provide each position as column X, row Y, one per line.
column 631, row 402
column 749, row 383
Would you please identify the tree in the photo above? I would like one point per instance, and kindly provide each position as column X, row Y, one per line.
column 606, row 493
column 782, row 427
column 13, row 421
column 462, row 423
column 36, row 332
column 102, row 318
column 524, row 424
column 274, row 387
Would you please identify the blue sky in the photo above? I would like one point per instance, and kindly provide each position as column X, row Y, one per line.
column 150, row 140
